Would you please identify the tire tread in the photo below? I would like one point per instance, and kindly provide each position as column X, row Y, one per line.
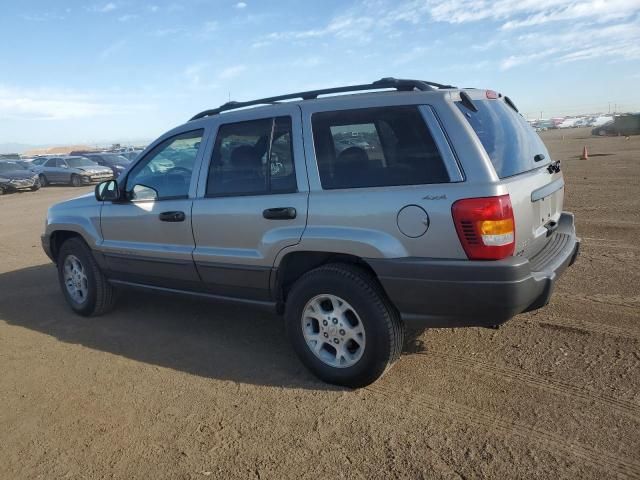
column 105, row 292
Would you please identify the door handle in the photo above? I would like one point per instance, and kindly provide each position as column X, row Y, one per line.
column 282, row 213
column 172, row 217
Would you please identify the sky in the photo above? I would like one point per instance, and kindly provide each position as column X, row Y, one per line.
column 128, row 70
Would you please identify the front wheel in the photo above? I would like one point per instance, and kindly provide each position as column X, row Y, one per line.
column 76, row 181
column 342, row 326
column 43, row 180
column 83, row 284
column 36, row 186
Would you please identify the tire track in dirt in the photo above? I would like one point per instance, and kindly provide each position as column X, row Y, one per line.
column 604, row 298
column 624, row 407
column 609, row 243
column 586, row 327
column 547, row 440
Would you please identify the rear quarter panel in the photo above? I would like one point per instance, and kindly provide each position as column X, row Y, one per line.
column 363, row 221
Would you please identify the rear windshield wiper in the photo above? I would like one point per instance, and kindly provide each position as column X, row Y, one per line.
column 466, row 101
column 509, row 102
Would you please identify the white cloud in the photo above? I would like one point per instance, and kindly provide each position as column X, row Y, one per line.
column 565, row 30
column 103, row 8
column 210, row 26
column 48, row 104
column 307, row 62
column 241, row 5
column 112, row 49
column 42, row 17
column 580, row 42
column 127, row 17
column 358, row 21
column 231, row 72
column 165, row 32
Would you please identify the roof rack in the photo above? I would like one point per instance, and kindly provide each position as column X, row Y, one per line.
column 388, row 82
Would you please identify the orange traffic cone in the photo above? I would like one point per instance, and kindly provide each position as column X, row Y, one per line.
column 585, row 154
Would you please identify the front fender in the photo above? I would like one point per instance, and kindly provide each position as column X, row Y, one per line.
column 83, row 220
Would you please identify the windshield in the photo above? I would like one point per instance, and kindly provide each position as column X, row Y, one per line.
column 509, row 140
column 114, row 159
column 10, row 167
column 80, row 162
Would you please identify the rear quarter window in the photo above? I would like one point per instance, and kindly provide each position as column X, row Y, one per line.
column 376, row 147
column 508, row 139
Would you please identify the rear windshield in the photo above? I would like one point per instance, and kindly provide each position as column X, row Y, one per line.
column 509, row 140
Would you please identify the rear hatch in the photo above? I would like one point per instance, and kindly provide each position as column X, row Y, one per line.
column 524, row 166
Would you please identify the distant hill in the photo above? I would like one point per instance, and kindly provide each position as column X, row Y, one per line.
column 60, row 150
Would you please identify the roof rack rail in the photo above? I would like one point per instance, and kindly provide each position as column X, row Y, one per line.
column 388, row 82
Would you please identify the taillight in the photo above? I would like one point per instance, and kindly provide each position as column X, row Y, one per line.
column 485, row 226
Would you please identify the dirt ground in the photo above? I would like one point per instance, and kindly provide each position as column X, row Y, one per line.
column 169, row 387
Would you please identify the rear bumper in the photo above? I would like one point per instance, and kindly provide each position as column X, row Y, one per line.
column 452, row 293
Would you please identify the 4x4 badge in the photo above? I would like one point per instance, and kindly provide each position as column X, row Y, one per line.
column 435, row 197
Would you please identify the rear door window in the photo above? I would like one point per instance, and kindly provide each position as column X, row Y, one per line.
column 509, row 140
column 376, row 147
column 253, row 158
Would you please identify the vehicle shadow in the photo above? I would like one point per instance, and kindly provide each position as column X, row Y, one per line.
column 214, row 340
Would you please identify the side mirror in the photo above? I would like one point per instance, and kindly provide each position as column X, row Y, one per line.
column 107, row 191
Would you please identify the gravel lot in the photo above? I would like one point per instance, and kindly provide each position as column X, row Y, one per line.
column 174, row 388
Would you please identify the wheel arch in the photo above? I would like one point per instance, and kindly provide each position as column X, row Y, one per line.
column 295, row 264
column 58, row 237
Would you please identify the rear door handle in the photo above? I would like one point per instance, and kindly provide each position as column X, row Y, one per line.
column 282, row 213
column 172, row 217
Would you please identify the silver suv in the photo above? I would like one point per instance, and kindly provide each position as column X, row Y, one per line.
column 404, row 201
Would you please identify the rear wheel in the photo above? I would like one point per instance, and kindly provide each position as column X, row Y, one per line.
column 43, row 180
column 342, row 326
column 83, row 284
column 76, row 181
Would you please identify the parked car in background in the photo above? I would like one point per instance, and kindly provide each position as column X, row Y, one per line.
column 76, row 171
column 116, row 162
column 14, row 177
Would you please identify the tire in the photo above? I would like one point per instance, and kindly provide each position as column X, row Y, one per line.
column 36, row 186
column 1, row 191
column 368, row 306
column 76, row 181
column 100, row 294
column 43, row 180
